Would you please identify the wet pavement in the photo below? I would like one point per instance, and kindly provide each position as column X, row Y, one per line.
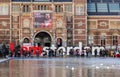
column 2, row 59
column 60, row 67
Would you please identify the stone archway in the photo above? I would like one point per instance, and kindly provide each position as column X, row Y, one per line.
column 42, row 39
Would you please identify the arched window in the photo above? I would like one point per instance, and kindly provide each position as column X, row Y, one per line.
column 26, row 8
column 26, row 40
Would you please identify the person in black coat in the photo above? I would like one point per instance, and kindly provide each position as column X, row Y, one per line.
column 95, row 52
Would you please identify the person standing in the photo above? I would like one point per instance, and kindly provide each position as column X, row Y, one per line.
column 95, row 52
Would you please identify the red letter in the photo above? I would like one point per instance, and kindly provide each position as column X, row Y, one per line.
column 23, row 48
column 12, row 47
column 39, row 49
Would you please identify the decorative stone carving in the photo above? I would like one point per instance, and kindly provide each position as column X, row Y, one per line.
column 26, row 31
column 26, row 23
column 4, row 23
column 15, row 18
column 15, row 26
column 80, row 23
column 79, row 31
column 92, row 24
column 103, row 24
column 59, row 23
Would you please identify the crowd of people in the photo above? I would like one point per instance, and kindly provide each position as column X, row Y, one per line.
column 5, row 52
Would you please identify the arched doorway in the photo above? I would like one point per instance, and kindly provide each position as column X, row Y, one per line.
column 42, row 39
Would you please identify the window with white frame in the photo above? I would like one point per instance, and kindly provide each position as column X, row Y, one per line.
column 58, row 8
column 42, row 7
column 69, row 18
column 68, row 8
column 79, row 10
column 15, row 8
column 26, row 8
column 90, row 39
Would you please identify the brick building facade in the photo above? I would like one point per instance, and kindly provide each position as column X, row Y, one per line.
column 73, row 21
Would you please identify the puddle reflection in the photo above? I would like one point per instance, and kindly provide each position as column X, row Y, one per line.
column 56, row 68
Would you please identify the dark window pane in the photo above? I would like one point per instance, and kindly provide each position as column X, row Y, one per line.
column 102, row 7
column 95, row 0
column 116, row 0
column 114, row 7
column 91, row 7
column 62, row 0
column 115, row 40
column 88, row 0
column 103, row 13
column 107, row 0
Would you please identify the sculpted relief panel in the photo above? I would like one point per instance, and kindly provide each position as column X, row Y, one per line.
column 114, row 24
column 26, row 23
column 92, row 24
column 103, row 24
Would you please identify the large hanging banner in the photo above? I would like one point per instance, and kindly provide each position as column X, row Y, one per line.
column 42, row 20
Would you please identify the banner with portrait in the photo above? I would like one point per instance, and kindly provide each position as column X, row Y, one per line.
column 42, row 20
